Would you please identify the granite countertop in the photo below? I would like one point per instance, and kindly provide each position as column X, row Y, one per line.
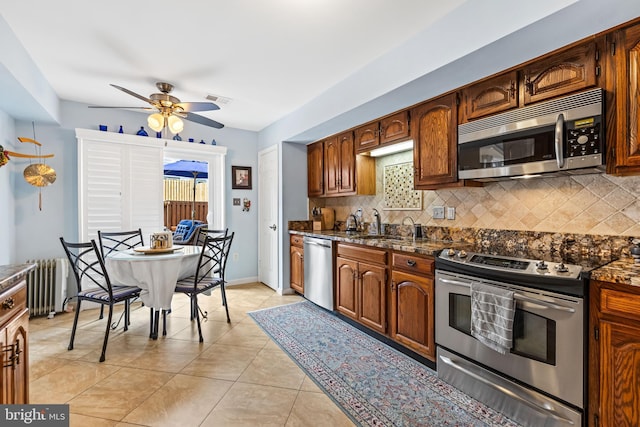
column 606, row 269
column 623, row 270
column 10, row 275
column 424, row 246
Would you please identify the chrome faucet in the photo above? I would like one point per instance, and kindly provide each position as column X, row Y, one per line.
column 413, row 226
column 376, row 216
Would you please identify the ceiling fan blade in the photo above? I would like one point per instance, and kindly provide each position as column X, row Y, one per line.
column 197, row 106
column 129, row 108
column 125, row 90
column 203, row 120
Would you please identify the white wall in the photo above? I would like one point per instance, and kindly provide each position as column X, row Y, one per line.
column 7, row 177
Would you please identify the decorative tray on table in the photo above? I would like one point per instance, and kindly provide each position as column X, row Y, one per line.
column 146, row 250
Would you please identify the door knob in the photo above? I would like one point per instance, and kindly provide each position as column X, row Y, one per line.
column 273, row 227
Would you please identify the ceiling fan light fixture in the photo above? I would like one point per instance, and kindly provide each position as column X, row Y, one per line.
column 156, row 121
column 175, row 124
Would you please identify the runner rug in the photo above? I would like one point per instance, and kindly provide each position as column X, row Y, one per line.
column 374, row 384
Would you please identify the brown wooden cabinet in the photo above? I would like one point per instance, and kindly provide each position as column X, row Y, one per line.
column 297, row 263
column 412, row 303
column 623, row 118
column 334, row 169
column 387, row 130
column 361, row 285
column 561, row 73
column 315, row 169
column 434, row 129
column 614, row 355
column 492, row 96
column 14, row 327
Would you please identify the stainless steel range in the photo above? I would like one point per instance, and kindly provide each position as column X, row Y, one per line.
column 541, row 380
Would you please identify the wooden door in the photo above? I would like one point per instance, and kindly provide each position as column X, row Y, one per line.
column 331, row 166
column 626, row 138
column 297, row 269
column 367, row 137
column 619, row 374
column 413, row 310
column 434, row 129
column 347, row 162
column 373, row 296
column 347, row 287
column 489, row 97
column 395, row 127
column 559, row 74
column 315, row 169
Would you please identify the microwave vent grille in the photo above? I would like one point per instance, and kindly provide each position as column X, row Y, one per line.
column 555, row 106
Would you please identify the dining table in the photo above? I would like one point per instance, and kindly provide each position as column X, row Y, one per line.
column 155, row 273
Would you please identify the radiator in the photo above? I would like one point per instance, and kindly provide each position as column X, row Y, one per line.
column 47, row 286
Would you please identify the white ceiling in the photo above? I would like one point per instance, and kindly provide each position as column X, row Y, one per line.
column 268, row 57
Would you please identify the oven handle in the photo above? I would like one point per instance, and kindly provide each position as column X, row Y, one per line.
column 540, row 303
column 546, row 411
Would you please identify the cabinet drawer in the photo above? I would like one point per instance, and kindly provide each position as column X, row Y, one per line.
column 620, row 303
column 363, row 253
column 412, row 263
column 296, row 240
column 12, row 302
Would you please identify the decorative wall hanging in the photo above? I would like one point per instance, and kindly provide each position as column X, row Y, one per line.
column 241, row 177
column 398, row 188
column 37, row 174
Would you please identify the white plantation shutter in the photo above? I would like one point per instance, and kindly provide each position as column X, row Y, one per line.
column 119, row 184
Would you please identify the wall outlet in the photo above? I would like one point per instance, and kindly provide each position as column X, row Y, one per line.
column 438, row 212
column 451, row 213
column 235, row 256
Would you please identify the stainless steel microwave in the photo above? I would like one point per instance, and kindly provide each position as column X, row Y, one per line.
column 563, row 135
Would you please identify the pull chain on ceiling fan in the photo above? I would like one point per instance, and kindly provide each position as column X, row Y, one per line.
column 170, row 110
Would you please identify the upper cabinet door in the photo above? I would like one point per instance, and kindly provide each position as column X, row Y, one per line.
column 367, row 137
column 331, row 166
column 395, row 127
column 347, row 182
column 434, row 129
column 625, row 133
column 315, row 169
column 489, row 97
column 559, row 74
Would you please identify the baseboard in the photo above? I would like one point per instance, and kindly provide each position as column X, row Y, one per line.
column 242, row 281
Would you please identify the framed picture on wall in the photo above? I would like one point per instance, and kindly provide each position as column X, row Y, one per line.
column 241, row 177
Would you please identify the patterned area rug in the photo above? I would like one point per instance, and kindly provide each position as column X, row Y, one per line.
column 373, row 383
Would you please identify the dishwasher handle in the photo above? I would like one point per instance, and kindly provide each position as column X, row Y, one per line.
column 318, row 242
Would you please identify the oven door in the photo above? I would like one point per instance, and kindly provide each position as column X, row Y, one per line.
column 548, row 349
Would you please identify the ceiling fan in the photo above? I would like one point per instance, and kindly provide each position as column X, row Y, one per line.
column 170, row 110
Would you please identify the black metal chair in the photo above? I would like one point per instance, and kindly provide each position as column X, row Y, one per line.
column 119, row 240
column 93, row 285
column 113, row 241
column 209, row 274
column 204, row 232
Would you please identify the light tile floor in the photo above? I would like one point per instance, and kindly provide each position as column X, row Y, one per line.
column 237, row 377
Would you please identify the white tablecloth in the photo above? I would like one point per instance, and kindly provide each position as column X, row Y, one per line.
column 156, row 275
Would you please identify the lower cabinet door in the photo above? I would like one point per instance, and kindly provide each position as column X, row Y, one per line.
column 373, row 297
column 15, row 363
column 347, row 287
column 619, row 374
column 297, row 269
column 413, row 312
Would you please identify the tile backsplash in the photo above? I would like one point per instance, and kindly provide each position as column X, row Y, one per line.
column 588, row 204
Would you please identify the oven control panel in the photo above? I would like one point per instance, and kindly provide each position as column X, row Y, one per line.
column 511, row 264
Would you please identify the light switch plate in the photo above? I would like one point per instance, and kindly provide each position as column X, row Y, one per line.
column 438, row 212
column 236, row 201
column 451, row 213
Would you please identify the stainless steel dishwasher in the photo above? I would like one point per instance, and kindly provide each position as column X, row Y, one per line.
column 318, row 271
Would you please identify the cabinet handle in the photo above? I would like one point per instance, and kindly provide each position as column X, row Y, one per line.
column 411, row 263
column 8, row 303
column 512, row 90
